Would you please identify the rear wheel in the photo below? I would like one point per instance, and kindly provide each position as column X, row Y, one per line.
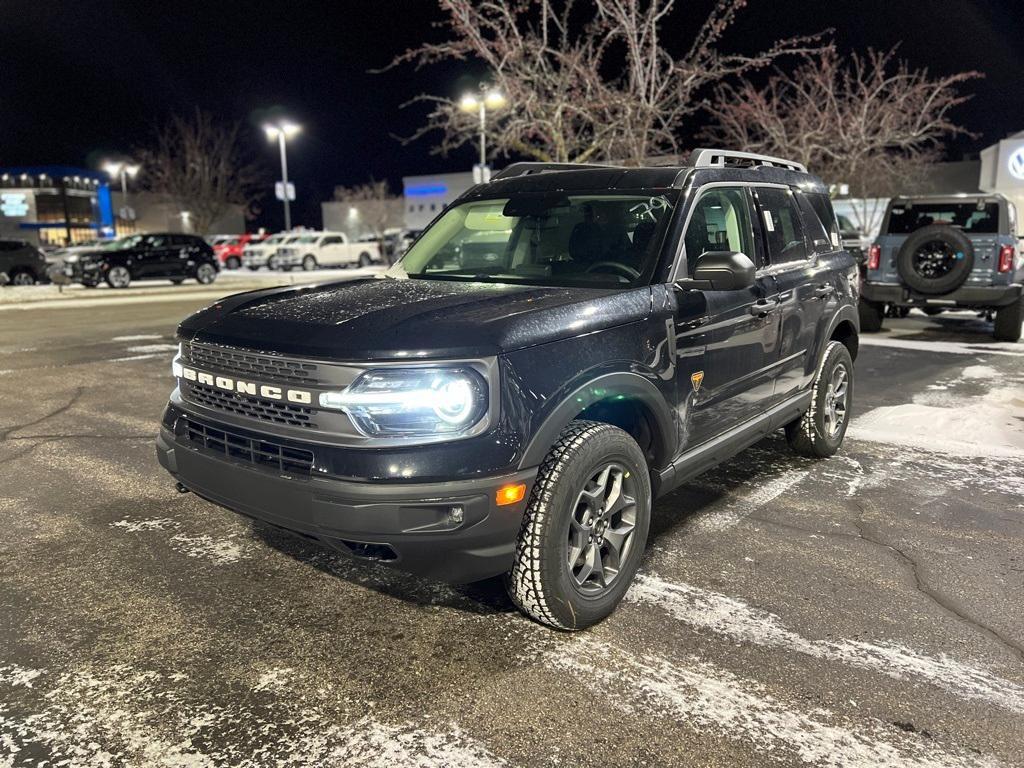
column 119, row 277
column 233, row 262
column 273, row 263
column 932, row 311
column 206, row 274
column 585, row 528
column 177, row 280
column 871, row 315
column 1008, row 321
column 820, row 431
column 365, row 260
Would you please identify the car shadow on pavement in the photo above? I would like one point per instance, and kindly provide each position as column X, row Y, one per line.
column 482, row 597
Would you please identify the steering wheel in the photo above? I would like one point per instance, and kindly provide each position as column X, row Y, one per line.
column 614, row 266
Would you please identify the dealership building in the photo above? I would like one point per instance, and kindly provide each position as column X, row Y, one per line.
column 52, row 205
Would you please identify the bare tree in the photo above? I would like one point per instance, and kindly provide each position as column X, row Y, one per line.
column 870, row 122
column 200, row 165
column 378, row 207
column 585, row 79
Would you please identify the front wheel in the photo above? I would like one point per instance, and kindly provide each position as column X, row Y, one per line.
column 206, row 274
column 233, row 262
column 23, row 277
column 820, row 431
column 585, row 528
column 1008, row 321
column 273, row 263
column 365, row 260
column 119, row 277
column 309, row 262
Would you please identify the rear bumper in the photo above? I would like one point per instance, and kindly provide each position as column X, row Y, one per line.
column 406, row 525
column 966, row 296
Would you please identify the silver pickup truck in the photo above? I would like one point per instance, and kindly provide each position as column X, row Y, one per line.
column 938, row 253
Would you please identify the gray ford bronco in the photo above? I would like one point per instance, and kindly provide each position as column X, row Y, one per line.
column 939, row 253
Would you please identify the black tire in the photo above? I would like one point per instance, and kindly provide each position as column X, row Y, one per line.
column 119, row 277
column 206, row 273
column 871, row 315
column 932, row 311
column 543, row 582
column 309, row 262
column 177, row 280
column 365, row 260
column 273, row 263
column 254, row 268
column 233, row 262
column 1008, row 321
column 90, row 283
column 935, row 259
column 23, row 277
column 819, row 433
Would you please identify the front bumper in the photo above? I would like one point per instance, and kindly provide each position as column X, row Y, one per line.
column 966, row 297
column 410, row 526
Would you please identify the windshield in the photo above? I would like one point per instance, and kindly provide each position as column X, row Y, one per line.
column 974, row 218
column 604, row 239
column 273, row 240
column 307, row 239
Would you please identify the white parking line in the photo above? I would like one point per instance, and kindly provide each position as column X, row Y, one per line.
column 702, row 697
column 950, row 347
column 738, row 621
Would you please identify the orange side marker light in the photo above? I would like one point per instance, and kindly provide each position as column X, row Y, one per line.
column 510, row 494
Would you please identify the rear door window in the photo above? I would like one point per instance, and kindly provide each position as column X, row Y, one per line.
column 782, row 226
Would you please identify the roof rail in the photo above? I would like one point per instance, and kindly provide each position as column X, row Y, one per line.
column 526, row 169
column 718, row 158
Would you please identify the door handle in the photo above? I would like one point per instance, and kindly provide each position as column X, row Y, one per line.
column 824, row 291
column 763, row 308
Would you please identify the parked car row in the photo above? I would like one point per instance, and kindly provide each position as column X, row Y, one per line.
column 156, row 255
column 309, row 250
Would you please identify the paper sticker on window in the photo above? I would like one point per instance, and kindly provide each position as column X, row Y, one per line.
column 768, row 221
column 835, row 240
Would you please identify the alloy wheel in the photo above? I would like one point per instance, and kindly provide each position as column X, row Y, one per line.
column 119, row 277
column 23, row 278
column 836, row 400
column 205, row 274
column 601, row 529
column 934, row 260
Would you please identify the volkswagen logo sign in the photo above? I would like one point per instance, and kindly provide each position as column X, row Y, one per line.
column 1016, row 163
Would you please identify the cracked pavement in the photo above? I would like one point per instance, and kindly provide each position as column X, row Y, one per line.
column 861, row 611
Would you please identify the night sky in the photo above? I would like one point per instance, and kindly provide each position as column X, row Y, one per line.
column 82, row 79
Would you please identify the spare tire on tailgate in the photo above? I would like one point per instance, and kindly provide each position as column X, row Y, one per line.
column 935, row 259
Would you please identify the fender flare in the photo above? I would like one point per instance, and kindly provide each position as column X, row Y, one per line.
column 847, row 312
column 633, row 385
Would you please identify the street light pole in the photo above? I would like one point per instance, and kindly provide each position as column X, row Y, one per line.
column 483, row 134
column 284, row 179
column 282, row 131
column 480, row 101
column 123, row 169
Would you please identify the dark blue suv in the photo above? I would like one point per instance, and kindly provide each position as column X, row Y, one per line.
column 559, row 348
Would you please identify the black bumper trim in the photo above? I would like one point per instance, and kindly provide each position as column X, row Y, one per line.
column 965, row 296
column 413, row 521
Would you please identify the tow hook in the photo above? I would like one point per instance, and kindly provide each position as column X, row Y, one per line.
column 180, row 488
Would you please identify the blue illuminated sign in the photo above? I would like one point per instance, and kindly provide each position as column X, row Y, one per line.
column 426, row 190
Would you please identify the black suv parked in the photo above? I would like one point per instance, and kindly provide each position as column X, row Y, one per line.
column 938, row 253
column 21, row 263
column 520, row 416
column 160, row 255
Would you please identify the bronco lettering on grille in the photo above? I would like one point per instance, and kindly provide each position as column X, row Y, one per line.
column 266, row 391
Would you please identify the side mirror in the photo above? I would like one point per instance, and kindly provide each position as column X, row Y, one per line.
column 722, row 271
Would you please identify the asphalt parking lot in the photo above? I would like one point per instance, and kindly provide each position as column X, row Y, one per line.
column 862, row 611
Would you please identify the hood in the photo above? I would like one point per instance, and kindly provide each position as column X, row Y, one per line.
column 389, row 318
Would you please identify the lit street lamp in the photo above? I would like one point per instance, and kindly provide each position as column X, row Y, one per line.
column 282, row 131
column 486, row 98
column 123, row 169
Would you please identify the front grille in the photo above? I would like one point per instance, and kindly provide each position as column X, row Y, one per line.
column 251, row 364
column 259, row 452
column 286, row 414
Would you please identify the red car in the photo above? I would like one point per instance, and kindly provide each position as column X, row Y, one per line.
column 230, row 251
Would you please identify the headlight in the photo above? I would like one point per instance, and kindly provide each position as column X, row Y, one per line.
column 412, row 401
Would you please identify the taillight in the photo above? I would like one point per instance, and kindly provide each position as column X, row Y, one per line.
column 874, row 256
column 1006, row 254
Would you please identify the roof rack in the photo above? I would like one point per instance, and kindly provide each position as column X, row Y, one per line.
column 719, row 158
column 527, row 169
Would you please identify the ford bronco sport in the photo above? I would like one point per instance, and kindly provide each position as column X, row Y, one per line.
column 939, row 253
column 519, row 415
